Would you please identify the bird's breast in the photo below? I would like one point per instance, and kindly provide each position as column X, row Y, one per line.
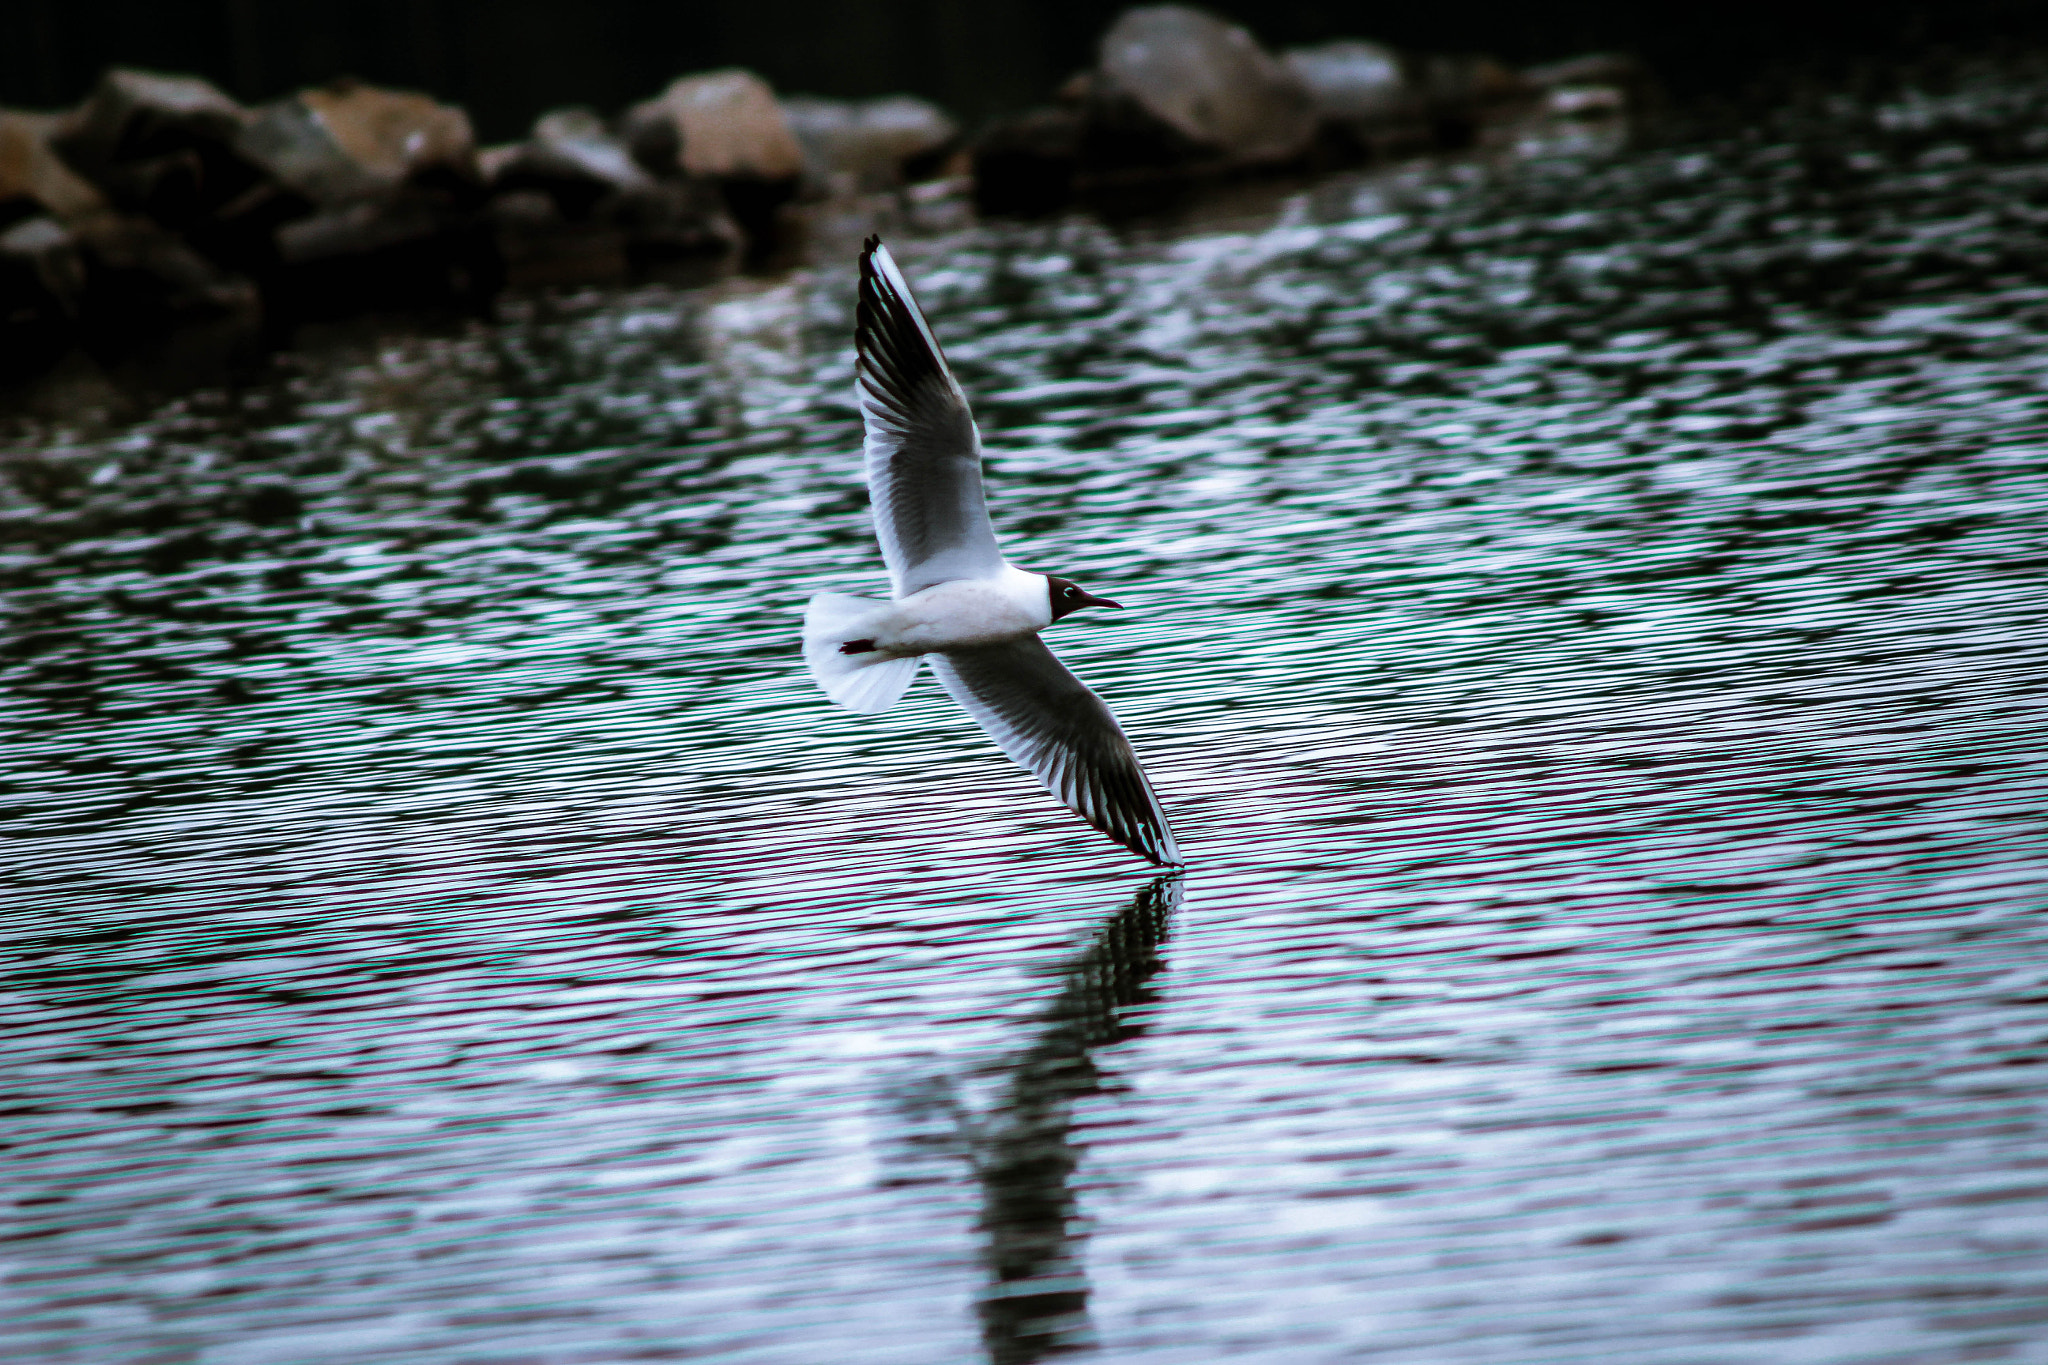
column 968, row 612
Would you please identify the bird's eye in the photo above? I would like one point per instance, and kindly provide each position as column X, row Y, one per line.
column 1073, row 592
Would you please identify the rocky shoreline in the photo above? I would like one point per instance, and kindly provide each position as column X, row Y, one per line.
column 160, row 203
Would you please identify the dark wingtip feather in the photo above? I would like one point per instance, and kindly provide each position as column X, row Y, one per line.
column 897, row 355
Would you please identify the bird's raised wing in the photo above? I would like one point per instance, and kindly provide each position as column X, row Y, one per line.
column 1043, row 717
column 923, row 453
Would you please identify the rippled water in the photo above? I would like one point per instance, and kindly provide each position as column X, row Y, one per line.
column 1588, row 623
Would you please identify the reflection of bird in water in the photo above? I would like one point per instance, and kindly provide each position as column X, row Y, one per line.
column 1036, row 1303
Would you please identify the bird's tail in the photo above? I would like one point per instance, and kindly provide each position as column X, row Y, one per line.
column 864, row 680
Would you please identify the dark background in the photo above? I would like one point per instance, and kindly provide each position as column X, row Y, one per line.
column 508, row 60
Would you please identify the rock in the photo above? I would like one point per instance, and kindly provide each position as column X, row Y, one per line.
column 1614, row 69
column 539, row 245
column 1462, row 94
column 33, row 179
column 1470, row 87
column 1028, row 163
column 348, row 141
column 157, row 144
column 1207, row 82
column 728, row 128
column 1354, row 82
column 376, row 193
column 868, row 144
column 357, row 229
column 1599, row 85
column 571, row 206
column 721, row 125
column 573, row 159
column 42, row 281
column 141, row 281
column 1592, row 102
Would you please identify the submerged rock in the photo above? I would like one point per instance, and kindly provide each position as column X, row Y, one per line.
column 1207, row 82
column 868, row 144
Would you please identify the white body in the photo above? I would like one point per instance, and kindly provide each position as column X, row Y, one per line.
column 961, row 614
column 964, row 613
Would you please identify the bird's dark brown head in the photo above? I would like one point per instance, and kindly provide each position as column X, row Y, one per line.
column 1068, row 597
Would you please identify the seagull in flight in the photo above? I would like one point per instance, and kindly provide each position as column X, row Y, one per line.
column 957, row 602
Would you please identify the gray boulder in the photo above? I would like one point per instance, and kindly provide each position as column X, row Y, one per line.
column 573, row 159
column 570, row 205
column 1354, row 82
column 1206, row 82
column 868, row 144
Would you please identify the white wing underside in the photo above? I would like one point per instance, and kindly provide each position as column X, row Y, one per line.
column 923, row 451
column 924, row 483
column 1045, row 719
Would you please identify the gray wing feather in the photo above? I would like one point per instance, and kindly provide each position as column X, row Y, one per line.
column 1042, row 716
column 923, row 452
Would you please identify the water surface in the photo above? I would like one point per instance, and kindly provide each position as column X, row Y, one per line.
column 1587, row 620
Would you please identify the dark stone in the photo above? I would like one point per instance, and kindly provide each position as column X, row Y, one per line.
column 572, row 206
column 42, row 285
column 159, row 145
column 373, row 203
column 1028, row 163
column 141, row 280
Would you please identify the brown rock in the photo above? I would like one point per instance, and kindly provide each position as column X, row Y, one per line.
column 721, row 125
column 1206, row 81
column 32, row 176
column 349, row 141
column 395, row 135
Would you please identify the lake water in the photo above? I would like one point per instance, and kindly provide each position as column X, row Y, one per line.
column 1588, row 619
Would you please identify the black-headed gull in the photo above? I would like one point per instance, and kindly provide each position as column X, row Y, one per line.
column 958, row 602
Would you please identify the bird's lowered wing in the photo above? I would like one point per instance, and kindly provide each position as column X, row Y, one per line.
column 923, row 452
column 1043, row 717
